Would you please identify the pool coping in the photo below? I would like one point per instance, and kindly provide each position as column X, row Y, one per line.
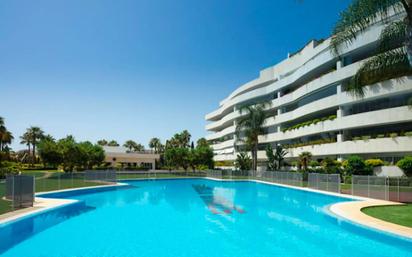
column 350, row 211
column 43, row 204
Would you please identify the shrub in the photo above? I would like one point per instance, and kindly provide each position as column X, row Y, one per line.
column 347, row 179
column 316, row 121
column 324, row 119
column 314, row 164
column 406, row 165
column 374, row 162
column 356, row 166
column 408, row 134
column 332, row 117
column 366, row 138
column 330, row 166
column 380, row 136
column 356, row 138
column 393, row 135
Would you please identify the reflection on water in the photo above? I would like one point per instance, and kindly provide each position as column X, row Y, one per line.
column 23, row 229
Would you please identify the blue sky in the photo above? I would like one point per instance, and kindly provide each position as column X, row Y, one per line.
column 136, row 69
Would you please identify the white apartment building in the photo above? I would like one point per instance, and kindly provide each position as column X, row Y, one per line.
column 309, row 88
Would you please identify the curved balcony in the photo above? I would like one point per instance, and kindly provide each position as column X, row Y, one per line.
column 324, row 56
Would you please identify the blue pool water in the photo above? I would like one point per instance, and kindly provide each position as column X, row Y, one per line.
column 195, row 217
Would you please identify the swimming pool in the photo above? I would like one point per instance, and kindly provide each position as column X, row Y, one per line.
column 195, row 217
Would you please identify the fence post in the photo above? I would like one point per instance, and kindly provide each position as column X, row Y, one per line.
column 34, row 188
column 352, row 184
column 399, row 196
column 387, row 182
column 12, row 194
column 327, row 182
column 339, row 185
column 368, row 187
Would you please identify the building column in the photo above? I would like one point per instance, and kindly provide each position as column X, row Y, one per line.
column 339, row 137
column 339, row 64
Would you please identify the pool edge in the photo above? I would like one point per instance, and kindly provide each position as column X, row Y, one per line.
column 44, row 204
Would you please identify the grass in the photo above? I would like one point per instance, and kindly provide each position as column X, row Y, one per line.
column 398, row 214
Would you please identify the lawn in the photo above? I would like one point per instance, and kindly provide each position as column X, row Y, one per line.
column 398, row 214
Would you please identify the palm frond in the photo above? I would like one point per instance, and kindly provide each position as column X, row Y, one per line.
column 384, row 66
column 393, row 35
column 358, row 17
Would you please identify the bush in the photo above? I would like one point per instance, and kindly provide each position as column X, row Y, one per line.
column 374, row 162
column 9, row 168
column 380, row 136
column 356, row 166
column 408, row 134
column 365, row 138
column 314, row 164
column 393, row 135
column 406, row 165
column 332, row 117
column 331, row 166
column 347, row 179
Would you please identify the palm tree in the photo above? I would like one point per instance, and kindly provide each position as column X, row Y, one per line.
column 130, row 144
column 304, row 159
column 25, row 140
column 280, row 154
column 155, row 143
column 394, row 57
column 32, row 136
column 6, row 137
column 139, row 148
column 250, row 126
column 113, row 143
column 102, row 142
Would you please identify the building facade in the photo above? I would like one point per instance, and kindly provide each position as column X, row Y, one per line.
column 119, row 156
column 310, row 110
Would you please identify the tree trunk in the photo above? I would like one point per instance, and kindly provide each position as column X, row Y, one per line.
column 29, row 152
column 255, row 150
column 34, row 155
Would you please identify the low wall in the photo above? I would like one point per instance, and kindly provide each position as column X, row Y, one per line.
column 388, row 171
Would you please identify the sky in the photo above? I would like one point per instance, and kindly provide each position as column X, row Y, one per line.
column 137, row 69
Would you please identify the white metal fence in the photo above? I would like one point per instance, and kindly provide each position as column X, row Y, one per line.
column 325, row 182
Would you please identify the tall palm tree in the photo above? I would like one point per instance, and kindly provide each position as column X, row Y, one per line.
column 25, row 140
column 280, row 154
column 304, row 159
column 155, row 143
column 130, row 144
column 113, row 143
column 250, row 127
column 33, row 136
column 6, row 137
column 102, row 142
column 394, row 56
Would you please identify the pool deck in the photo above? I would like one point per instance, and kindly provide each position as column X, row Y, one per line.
column 351, row 210
column 42, row 204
